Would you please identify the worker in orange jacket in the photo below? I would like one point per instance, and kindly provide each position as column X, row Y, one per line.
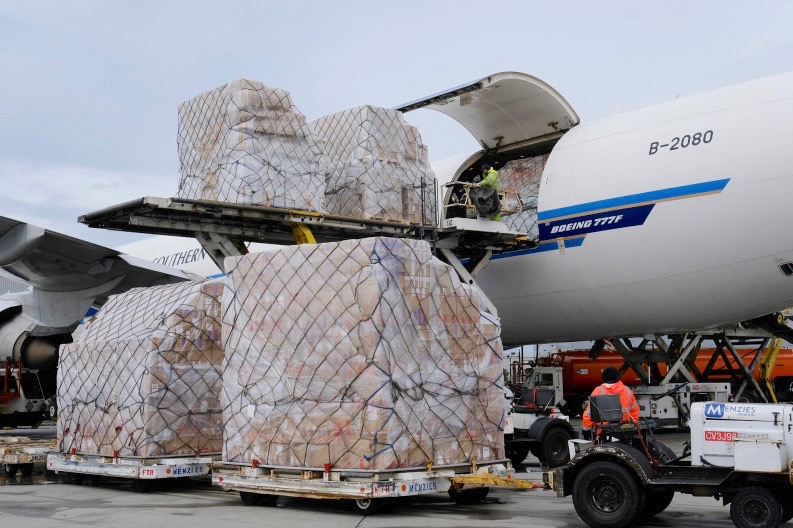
column 612, row 385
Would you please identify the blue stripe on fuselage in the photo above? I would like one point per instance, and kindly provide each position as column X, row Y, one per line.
column 573, row 223
column 633, row 200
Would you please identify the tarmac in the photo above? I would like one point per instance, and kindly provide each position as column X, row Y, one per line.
column 33, row 502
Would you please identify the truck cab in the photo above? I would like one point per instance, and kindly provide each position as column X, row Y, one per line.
column 22, row 399
column 537, row 425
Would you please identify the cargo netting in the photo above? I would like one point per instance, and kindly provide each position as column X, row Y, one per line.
column 143, row 377
column 522, row 177
column 366, row 354
column 244, row 142
column 379, row 166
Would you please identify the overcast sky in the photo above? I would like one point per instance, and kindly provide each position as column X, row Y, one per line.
column 90, row 89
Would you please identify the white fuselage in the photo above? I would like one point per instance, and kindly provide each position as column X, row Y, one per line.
column 693, row 236
column 661, row 220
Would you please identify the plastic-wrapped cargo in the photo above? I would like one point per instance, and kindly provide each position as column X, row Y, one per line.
column 244, row 142
column 366, row 354
column 143, row 377
column 378, row 166
column 522, row 176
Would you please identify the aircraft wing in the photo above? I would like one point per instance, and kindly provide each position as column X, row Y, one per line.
column 51, row 261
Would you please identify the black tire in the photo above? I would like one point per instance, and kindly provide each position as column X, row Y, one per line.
column 249, row 499
column 367, row 506
column 656, row 501
column 10, row 469
column 26, row 469
column 144, row 485
column 553, row 450
column 517, row 453
column 73, row 478
column 755, row 507
column 787, row 513
column 258, row 499
column 606, row 495
column 785, row 497
column 469, row 495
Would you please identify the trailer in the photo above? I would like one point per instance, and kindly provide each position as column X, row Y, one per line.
column 21, row 454
column 143, row 472
column 261, row 485
column 740, row 453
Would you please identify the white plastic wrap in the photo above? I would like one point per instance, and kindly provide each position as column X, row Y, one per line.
column 360, row 354
column 379, row 166
column 523, row 176
column 143, row 377
column 244, row 142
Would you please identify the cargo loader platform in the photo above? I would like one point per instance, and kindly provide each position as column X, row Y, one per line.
column 76, row 466
column 262, row 485
column 224, row 228
column 273, row 225
column 20, row 453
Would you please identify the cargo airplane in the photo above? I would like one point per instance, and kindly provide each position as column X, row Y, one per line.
column 662, row 220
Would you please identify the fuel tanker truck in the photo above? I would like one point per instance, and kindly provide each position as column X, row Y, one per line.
column 573, row 375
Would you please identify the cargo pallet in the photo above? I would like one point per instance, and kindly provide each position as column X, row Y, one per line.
column 262, row 485
column 144, row 469
column 20, row 453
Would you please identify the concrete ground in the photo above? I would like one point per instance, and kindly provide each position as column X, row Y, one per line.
column 34, row 502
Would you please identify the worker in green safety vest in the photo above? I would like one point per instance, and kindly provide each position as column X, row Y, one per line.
column 490, row 179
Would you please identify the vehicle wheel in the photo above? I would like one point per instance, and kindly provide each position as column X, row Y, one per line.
column 249, row 499
column 656, row 501
column 755, row 507
column 26, row 469
column 144, row 485
column 785, row 498
column 787, row 513
column 468, row 495
column 73, row 478
column 517, row 453
column 606, row 495
column 258, row 499
column 10, row 469
column 367, row 506
column 553, row 450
